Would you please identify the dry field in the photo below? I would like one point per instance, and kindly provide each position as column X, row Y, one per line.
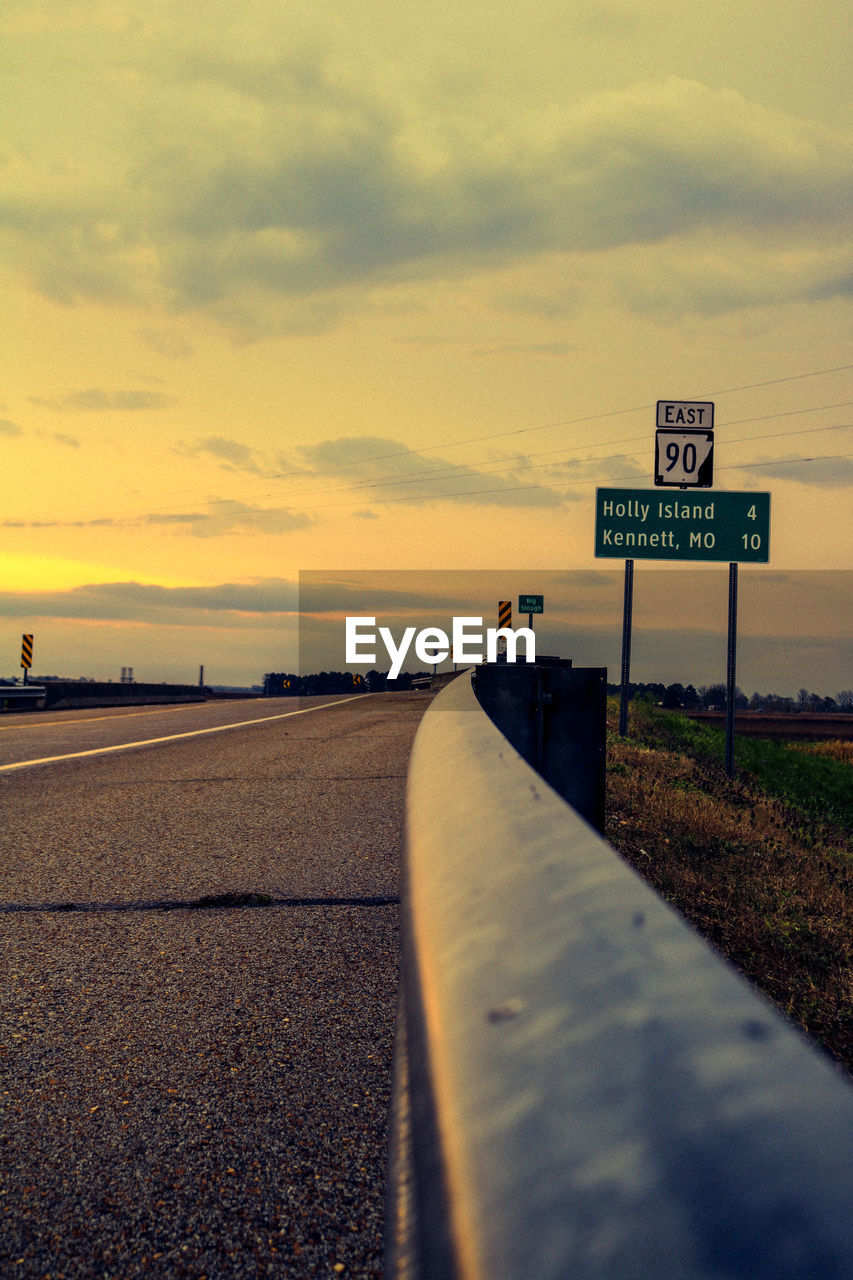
column 761, row 864
column 838, row 725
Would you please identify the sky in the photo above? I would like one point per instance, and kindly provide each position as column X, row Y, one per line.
column 361, row 288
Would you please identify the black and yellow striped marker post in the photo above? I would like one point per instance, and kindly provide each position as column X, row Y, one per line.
column 26, row 654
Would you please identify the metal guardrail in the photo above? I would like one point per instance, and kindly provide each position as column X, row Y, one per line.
column 555, row 715
column 14, row 697
column 584, row 1090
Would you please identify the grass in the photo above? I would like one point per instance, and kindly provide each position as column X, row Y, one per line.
column 761, row 864
column 842, row 751
column 813, row 777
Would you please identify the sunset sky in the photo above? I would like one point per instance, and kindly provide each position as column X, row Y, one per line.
column 355, row 287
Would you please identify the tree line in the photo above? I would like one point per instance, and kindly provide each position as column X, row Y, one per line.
column 713, row 697
column 285, row 684
column 676, row 697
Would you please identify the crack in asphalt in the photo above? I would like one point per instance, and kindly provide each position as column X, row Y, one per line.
column 209, row 902
column 268, row 777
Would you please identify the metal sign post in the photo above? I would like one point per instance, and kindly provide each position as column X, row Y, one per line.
column 731, row 665
column 531, row 605
column 627, row 612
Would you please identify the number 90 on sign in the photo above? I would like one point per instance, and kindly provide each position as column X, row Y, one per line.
column 684, row 459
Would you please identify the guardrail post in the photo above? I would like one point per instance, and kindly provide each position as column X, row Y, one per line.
column 554, row 714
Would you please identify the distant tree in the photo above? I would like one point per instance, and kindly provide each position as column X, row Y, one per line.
column 714, row 697
column 845, row 700
column 673, row 696
column 689, row 698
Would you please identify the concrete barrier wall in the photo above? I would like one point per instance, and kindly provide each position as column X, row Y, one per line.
column 584, row 1089
column 84, row 693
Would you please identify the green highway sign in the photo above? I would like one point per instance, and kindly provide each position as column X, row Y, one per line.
column 645, row 524
column 531, row 604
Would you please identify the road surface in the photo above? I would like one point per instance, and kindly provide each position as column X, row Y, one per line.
column 198, row 963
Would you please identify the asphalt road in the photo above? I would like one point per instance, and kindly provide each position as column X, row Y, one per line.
column 198, row 969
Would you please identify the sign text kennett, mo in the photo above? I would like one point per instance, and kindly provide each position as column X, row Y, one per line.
column 646, row 524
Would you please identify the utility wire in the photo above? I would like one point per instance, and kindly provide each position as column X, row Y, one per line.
column 569, row 422
column 448, row 472
column 575, row 483
column 451, row 470
column 439, row 473
column 514, row 488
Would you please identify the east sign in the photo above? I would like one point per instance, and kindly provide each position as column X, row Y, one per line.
column 684, row 444
column 696, row 414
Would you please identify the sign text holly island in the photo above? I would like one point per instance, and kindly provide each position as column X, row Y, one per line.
column 644, row 524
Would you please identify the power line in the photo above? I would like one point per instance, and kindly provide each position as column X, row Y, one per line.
column 438, row 473
column 514, row 488
column 569, row 422
column 444, row 472
column 581, row 420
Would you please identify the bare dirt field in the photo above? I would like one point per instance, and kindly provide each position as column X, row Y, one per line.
column 837, row 726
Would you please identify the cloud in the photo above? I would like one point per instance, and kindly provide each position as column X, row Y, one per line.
column 276, row 190
column 362, row 193
column 389, row 471
column 527, row 349
column 711, row 275
column 232, row 454
column 822, row 473
column 230, row 516
column 94, row 400
column 225, row 517
column 8, row 428
column 227, row 604
column 103, row 522
column 167, row 344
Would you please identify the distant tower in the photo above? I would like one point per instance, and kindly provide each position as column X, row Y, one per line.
column 201, row 677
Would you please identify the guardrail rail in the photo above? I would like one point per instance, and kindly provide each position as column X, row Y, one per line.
column 584, row 1090
column 17, row 697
